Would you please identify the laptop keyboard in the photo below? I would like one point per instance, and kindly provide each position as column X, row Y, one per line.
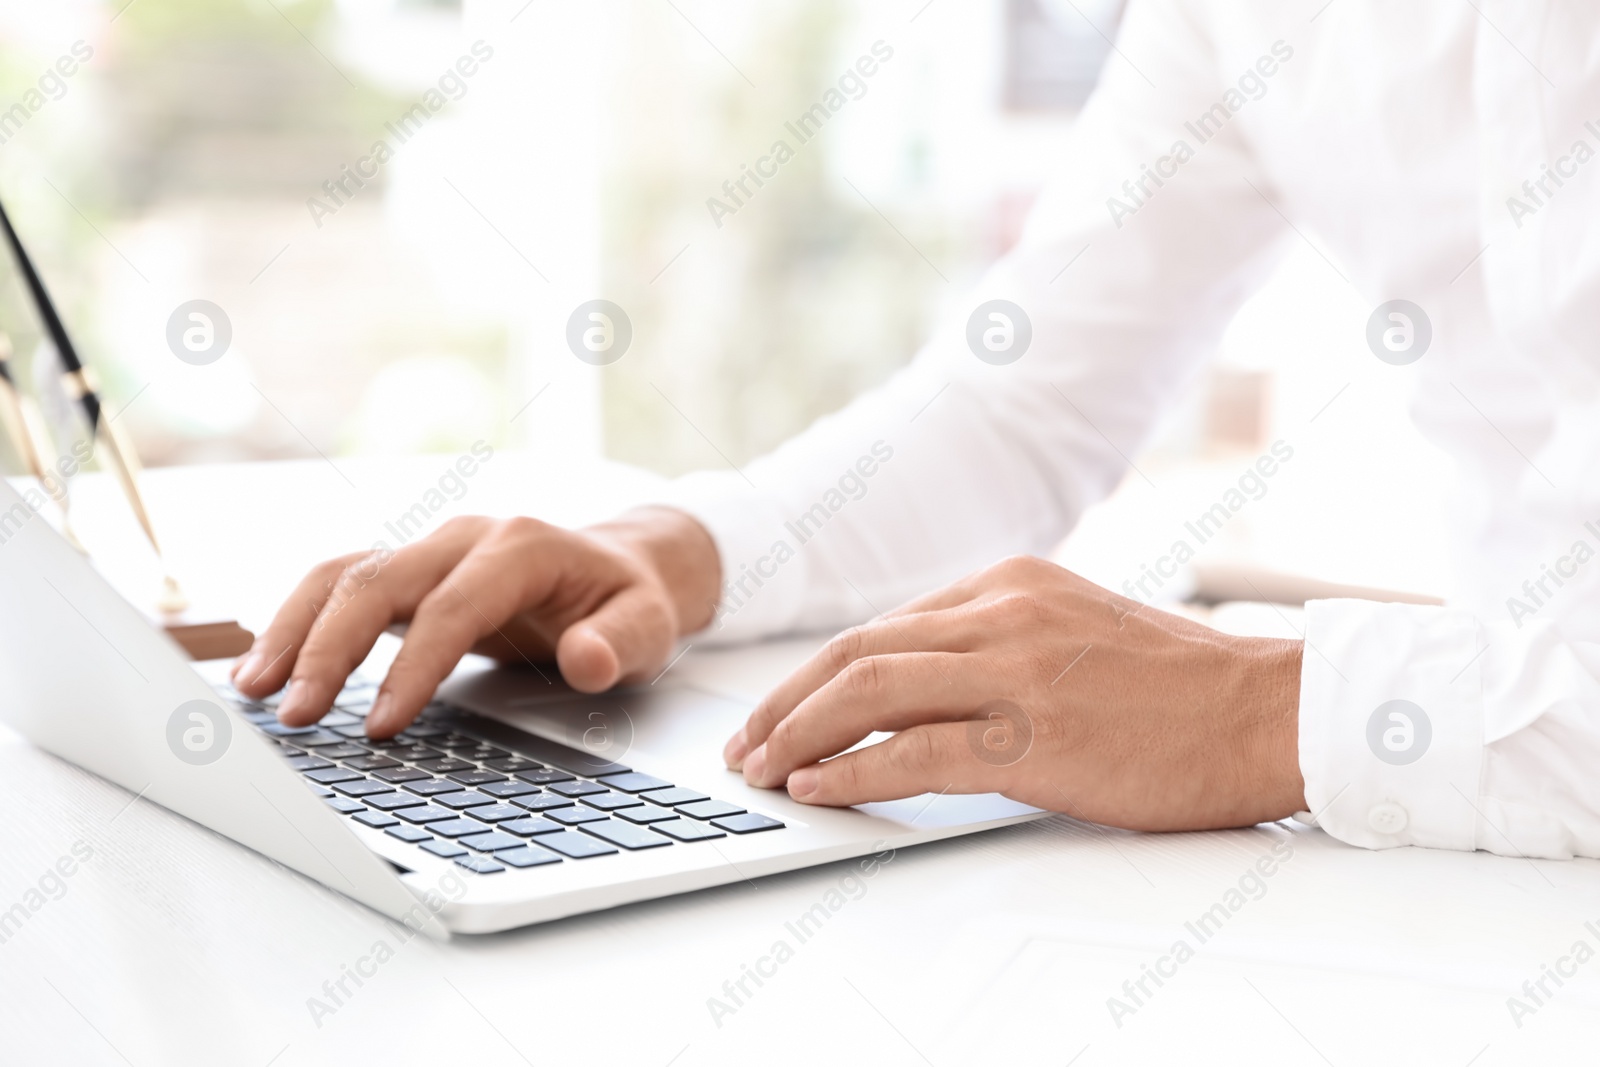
column 488, row 796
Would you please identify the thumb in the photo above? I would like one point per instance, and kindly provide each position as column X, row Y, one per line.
column 626, row 637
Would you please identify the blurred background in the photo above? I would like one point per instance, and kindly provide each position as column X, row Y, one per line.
column 539, row 154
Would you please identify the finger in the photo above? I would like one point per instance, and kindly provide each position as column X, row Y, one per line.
column 265, row 668
column 924, row 633
column 628, row 636
column 472, row 601
column 366, row 598
column 923, row 759
column 374, row 591
column 886, row 693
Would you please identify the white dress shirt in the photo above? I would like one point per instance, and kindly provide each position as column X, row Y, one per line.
column 1398, row 137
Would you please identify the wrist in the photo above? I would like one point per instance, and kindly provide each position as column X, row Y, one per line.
column 678, row 552
column 1279, row 785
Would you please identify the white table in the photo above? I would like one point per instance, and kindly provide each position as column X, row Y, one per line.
column 171, row 945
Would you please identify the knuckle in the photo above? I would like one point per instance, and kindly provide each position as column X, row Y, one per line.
column 1026, row 570
column 521, row 528
column 458, row 524
column 863, row 678
column 1011, row 566
column 919, row 750
column 761, row 724
column 845, row 648
column 1025, row 607
column 779, row 739
column 848, row 776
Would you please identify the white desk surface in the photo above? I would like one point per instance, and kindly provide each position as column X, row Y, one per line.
column 175, row 946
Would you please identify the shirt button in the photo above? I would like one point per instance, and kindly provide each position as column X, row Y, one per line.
column 1387, row 818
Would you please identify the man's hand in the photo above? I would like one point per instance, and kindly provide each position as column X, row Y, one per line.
column 607, row 603
column 1027, row 680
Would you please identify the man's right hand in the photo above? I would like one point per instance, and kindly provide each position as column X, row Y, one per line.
column 607, row 603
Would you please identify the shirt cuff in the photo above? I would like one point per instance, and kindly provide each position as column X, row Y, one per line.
column 1391, row 723
column 763, row 574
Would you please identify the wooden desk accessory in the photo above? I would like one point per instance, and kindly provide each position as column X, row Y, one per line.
column 202, row 636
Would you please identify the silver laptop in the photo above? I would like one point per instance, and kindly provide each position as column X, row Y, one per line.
column 512, row 800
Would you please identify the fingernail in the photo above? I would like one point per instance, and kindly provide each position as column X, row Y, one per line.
column 382, row 711
column 247, row 668
column 295, row 700
column 755, row 765
column 734, row 752
column 804, row 782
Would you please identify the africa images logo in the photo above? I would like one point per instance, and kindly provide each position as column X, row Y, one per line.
column 1399, row 732
column 198, row 732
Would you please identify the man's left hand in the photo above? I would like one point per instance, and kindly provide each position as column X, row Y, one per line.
column 1027, row 680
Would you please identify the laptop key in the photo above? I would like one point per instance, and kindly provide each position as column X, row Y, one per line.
column 401, row 774
column 430, row 787
column 476, row 777
column 748, row 823
column 612, row 801
column 448, row 850
column 542, row 802
column 426, row 814
column 456, row 828
column 574, row 816
column 544, row 776
column 344, row 751
column 479, row 864
column 530, row 826
column 575, row 846
column 371, row 762
column 634, row 782
column 317, row 738
column 687, row 830
column 496, row 813
column 344, row 805
column 320, row 790
column 577, row 789
column 413, row 753
column 506, row 790
column 525, row 857
column 463, row 799
column 362, row 787
column 330, row 775
column 645, row 814
column 337, row 718
column 352, row 731
column 511, row 765
column 674, row 796
column 421, row 732
column 709, row 809
column 414, row 835
column 393, row 801
column 631, row 837
column 308, row 763
column 375, row 819
column 446, row 764
column 488, row 842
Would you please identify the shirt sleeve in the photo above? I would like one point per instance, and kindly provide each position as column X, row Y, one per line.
column 1132, row 264
column 1427, row 726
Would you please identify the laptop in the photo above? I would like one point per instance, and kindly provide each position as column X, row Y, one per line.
column 512, row 800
